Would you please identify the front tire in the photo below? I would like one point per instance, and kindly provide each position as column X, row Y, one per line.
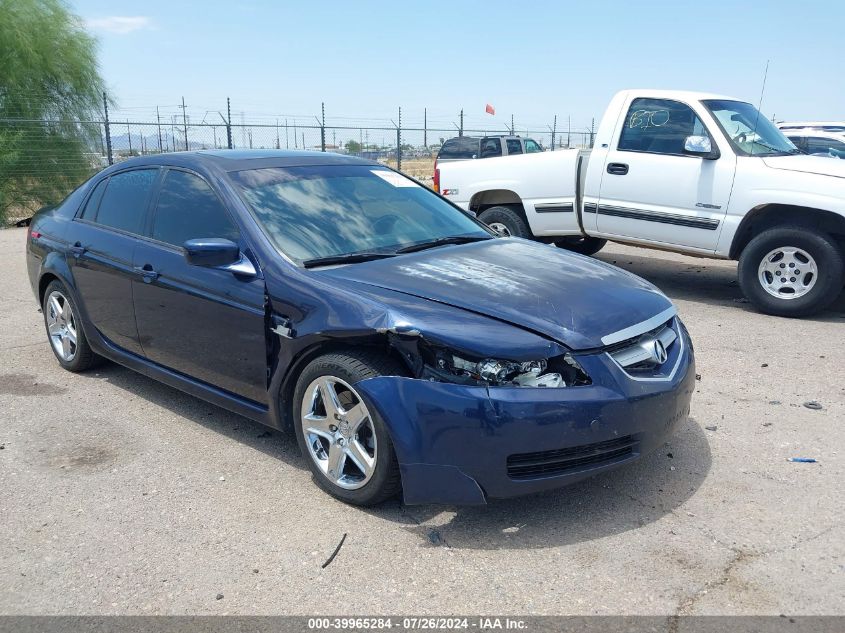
column 64, row 330
column 345, row 441
column 583, row 245
column 791, row 271
column 506, row 222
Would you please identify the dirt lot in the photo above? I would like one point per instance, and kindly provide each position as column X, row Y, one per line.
column 420, row 168
column 122, row 496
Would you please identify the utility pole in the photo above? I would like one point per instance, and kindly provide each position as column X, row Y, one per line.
column 129, row 134
column 554, row 129
column 568, row 131
column 158, row 123
column 228, row 123
column 108, row 131
column 511, row 125
column 185, row 123
column 399, row 142
column 461, row 129
column 287, row 136
column 323, row 127
column 425, row 127
column 592, row 126
column 278, row 143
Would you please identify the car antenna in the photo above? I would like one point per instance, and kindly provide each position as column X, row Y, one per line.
column 760, row 105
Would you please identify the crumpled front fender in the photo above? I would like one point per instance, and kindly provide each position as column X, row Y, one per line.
column 419, row 416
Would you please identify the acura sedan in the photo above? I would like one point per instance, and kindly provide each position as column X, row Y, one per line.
column 406, row 345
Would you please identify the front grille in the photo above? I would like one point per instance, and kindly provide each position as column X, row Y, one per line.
column 564, row 460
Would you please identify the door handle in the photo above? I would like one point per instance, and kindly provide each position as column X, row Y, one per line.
column 617, row 169
column 77, row 249
column 147, row 273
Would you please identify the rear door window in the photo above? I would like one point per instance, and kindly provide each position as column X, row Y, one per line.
column 460, row 147
column 532, row 146
column 125, row 200
column 90, row 210
column 514, row 146
column 821, row 145
column 491, row 147
column 187, row 209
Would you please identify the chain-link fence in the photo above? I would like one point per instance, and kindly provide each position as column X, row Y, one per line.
column 142, row 130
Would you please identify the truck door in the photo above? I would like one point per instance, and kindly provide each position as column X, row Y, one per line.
column 653, row 189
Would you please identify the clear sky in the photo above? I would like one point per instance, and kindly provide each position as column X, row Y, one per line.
column 529, row 59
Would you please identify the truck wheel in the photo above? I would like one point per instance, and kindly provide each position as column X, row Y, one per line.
column 506, row 222
column 583, row 245
column 791, row 271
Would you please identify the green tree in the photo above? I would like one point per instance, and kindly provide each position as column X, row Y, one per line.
column 353, row 147
column 50, row 88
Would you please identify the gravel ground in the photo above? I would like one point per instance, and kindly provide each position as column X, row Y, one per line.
column 119, row 495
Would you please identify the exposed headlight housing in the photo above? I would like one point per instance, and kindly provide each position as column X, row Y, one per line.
column 547, row 373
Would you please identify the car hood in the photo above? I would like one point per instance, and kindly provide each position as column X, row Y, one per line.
column 566, row 297
column 821, row 165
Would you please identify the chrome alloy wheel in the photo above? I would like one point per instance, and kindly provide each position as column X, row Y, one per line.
column 339, row 432
column 788, row 272
column 61, row 326
column 500, row 228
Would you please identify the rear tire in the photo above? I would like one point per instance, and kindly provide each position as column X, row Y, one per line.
column 506, row 222
column 354, row 462
column 583, row 245
column 791, row 271
column 64, row 330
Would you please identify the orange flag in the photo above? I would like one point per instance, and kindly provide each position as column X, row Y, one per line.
column 490, row 109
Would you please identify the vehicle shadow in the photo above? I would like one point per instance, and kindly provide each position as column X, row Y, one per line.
column 607, row 504
column 711, row 282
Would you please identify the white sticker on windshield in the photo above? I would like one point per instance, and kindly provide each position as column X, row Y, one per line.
column 397, row 180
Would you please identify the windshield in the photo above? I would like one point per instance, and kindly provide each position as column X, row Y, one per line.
column 324, row 211
column 750, row 133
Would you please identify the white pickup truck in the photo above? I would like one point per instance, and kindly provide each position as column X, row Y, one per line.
column 694, row 173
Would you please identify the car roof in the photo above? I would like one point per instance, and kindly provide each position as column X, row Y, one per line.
column 240, row 159
column 811, row 124
column 686, row 95
column 808, row 131
column 478, row 138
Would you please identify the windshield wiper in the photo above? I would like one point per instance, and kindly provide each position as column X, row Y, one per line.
column 794, row 150
column 349, row 258
column 442, row 241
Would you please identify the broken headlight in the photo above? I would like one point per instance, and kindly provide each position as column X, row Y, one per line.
column 558, row 372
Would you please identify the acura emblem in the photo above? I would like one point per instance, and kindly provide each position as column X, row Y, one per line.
column 658, row 353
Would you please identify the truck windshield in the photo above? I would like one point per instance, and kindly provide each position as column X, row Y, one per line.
column 750, row 133
column 328, row 211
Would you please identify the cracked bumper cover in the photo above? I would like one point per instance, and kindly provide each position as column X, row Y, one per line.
column 453, row 441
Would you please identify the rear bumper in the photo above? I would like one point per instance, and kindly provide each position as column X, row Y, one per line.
column 461, row 445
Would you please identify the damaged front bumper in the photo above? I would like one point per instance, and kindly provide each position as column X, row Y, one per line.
column 461, row 444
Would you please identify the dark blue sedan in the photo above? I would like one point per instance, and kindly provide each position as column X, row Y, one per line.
column 407, row 346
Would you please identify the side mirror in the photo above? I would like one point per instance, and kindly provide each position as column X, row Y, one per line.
column 700, row 146
column 212, row 252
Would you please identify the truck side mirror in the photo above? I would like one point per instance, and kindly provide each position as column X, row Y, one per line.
column 700, row 146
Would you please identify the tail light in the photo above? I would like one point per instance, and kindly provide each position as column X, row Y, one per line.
column 436, row 178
